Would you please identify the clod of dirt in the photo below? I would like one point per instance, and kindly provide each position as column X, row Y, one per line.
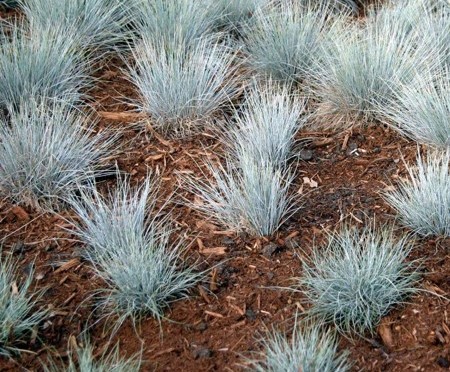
column 443, row 362
column 306, row 155
column 270, row 249
column 202, row 352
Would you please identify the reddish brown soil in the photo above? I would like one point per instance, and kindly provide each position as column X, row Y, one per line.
column 222, row 322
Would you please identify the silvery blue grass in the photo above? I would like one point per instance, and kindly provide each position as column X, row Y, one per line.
column 47, row 152
column 306, row 349
column 19, row 315
column 181, row 89
column 364, row 66
column 245, row 196
column 266, row 125
column 130, row 247
column 98, row 25
column 358, row 278
column 83, row 359
column 423, row 201
column 48, row 66
column 282, row 41
column 421, row 111
column 173, row 23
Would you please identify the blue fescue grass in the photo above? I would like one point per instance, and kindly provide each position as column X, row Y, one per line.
column 366, row 64
column 231, row 15
column 282, row 41
column 421, row 111
column 44, row 66
column 266, row 125
column 19, row 315
column 181, row 89
column 307, row 349
column 47, row 152
column 130, row 247
column 83, row 359
column 358, row 278
column 98, row 25
column 173, row 22
column 245, row 196
column 423, row 201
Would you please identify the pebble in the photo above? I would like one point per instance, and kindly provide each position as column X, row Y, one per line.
column 202, row 352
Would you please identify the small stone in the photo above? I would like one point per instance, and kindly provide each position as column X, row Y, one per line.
column 270, row 249
column 227, row 241
column 306, row 155
column 291, row 243
column 443, row 362
column 351, row 149
column 270, row 275
column 250, row 314
column 201, row 327
column 202, row 352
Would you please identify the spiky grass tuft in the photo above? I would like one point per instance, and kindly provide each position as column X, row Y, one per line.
column 358, row 278
column 98, row 25
column 47, row 152
column 130, row 248
column 423, row 201
column 266, row 125
column 232, row 15
column 246, row 196
column 421, row 111
column 282, row 41
column 83, row 359
column 307, row 349
column 181, row 89
column 18, row 314
column 48, row 66
column 173, row 23
column 364, row 66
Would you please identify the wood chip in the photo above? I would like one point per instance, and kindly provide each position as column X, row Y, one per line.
column 20, row 213
column 215, row 315
column 68, row 265
column 385, row 332
column 122, row 116
column 216, row 251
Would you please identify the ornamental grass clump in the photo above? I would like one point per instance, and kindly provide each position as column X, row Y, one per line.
column 266, row 125
column 423, row 201
column 363, row 67
column 245, row 196
column 41, row 67
column 47, row 152
column 232, row 15
column 181, row 90
column 358, row 278
column 282, row 41
column 173, row 23
column 19, row 316
column 84, row 359
column 130, row 247
column 97, row 25
column 421, row 111
column 307, row 349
